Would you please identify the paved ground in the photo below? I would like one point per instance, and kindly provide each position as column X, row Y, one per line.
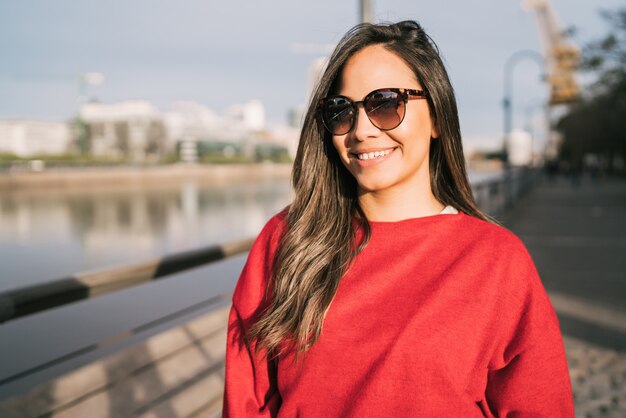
column 576, row 234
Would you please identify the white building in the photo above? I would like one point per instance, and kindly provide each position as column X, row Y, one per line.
column 250, row 115
column 190, row 121
column 28, row 138
column 288, row 137
column 131, row 129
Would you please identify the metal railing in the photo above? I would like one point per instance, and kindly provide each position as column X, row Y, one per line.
column 28, row 300
column 495, row 196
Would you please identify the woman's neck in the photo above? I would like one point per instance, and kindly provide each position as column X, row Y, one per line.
column 398, row 204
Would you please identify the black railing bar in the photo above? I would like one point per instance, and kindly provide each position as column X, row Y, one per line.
column 117, row 338
column 28, row 300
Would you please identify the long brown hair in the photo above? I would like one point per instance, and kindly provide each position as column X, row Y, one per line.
column 320, row 239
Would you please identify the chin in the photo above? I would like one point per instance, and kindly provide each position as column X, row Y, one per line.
column 374, row 186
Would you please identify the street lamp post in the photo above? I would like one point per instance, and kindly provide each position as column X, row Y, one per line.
column 529, row 126
column 507, row 102
column 84, row 81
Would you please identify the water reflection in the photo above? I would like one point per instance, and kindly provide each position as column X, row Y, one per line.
column 53, row 233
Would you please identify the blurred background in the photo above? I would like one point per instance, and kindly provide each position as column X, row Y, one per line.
column 130, row 131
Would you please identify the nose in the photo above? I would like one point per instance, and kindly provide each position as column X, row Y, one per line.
column 364, row 128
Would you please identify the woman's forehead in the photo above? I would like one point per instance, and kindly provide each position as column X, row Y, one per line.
column 375, row 67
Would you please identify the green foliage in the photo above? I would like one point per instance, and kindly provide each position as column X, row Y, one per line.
column 219, row 152
column 273, row 153
column 222, row 159
column 61, row 159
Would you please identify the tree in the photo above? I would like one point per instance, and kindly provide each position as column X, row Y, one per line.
column 597, row 123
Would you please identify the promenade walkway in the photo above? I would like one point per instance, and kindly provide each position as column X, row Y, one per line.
column 576, row 233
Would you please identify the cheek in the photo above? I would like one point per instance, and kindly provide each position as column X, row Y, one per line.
column 339, row 144
column 416, row 126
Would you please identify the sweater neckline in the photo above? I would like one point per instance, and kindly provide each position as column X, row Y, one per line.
column 445, row 215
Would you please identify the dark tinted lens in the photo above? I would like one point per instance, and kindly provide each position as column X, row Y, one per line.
column 385, row 108
column 338, row 114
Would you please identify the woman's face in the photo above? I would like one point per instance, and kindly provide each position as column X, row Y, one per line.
column 403, row 164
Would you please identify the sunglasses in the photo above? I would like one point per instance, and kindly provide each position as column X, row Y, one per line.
column 385, row 108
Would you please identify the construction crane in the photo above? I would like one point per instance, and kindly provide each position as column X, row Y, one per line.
column 561, row 56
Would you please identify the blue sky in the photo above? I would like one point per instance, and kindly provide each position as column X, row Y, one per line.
column 219, row 53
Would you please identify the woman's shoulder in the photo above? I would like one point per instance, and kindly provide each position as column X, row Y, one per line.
column 491, row 234
column 256, row 274
column 501, row 252
column 268, row 240
column 273, row 229
column 496, row 247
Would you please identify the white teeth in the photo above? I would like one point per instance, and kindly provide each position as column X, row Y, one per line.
column 375, row 154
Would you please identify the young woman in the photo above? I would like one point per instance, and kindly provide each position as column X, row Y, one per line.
column 382, row 290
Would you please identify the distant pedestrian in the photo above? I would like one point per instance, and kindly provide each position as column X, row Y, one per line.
column 382, row 290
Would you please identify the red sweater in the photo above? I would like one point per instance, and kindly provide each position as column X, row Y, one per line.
column 440, row 316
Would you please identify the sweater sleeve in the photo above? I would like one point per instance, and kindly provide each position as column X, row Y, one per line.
column 528, row 376
column 250, row 382
column 250, row 388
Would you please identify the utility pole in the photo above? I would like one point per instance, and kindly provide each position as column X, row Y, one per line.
column 366, row 11
column 80, row 127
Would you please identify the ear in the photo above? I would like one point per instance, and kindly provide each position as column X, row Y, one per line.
column 434, row 132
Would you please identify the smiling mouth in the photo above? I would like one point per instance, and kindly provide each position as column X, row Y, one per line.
column 374, row 154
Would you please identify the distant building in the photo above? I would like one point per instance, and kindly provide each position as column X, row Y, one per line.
column 130, row 129
column 199, row 133
column 250, row 115
column 28, row 138
column 288, row 137
column 139, row 131
column 191, row 122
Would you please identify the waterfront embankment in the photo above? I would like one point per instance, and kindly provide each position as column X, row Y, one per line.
column 140, row 176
